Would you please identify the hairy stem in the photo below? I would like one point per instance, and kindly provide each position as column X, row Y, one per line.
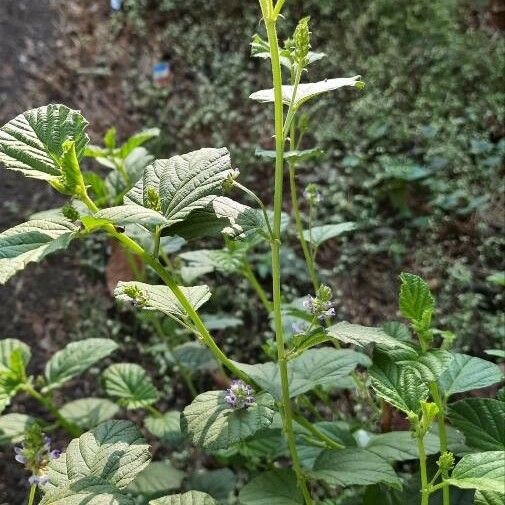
column 31, row 496
column 286, row 410
column 425, row 494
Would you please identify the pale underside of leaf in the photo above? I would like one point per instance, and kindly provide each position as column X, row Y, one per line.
column 189, row 498
column 320, row 234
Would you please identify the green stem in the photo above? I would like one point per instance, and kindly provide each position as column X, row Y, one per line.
column 425, row 494
column 253, row 281
column 31, row 497
column 442, row 435
column 286, row 410
column 70, row 427
column 317, row 433
column 157, row 239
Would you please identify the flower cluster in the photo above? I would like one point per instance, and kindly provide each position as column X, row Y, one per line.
column 320, row 306
column 35, row 453
column 312, row 195
column 240, row 395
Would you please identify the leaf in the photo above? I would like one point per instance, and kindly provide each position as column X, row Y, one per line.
column 219, row 484
column 183, row 183
column 136, row 140
column 484, row 471
column 166, row 427
column 315, row 367
column 189, row 498
column 489, row 498
column 398, row 331
column 397, row 385
column 482, row 422
column 89, row 412
column 32, row 241
column 306, row 91
column 350, row 467
column 195, row 357
column 430, row 365
column 400, row 445
column 76, row 358
column 468, row 372
column 210, row 423
column 356, row 334
column 13, row 426
column 221, row 321
column 132, row 214
column 158, row 477
column 293, row 156
column 90, row 490
column 130, row 383
column 160, row 297
column 32, row 143
column 415, row 297
column 275, row 486
column 7, row 347
column 319, row 234
column 114, row 451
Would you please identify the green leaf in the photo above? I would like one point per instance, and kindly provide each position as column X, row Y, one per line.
column 90, row 490
column 204, row 261
column 467, row 372
column 166, row 427
column 350, row 467
column 306, row 91
column 130, row 383
column 415, row 297
column 497, row 278
column 356, row 334
column 114, row 451
column 157, row 478
column 7, row 347
column 132, row 214
column 183, row 183
column 13, row 426
column 160, row 297
column 400, row 445
column 89, row 412
column 32, row 143
column 398, row 331
column 430, row 365
column 319, row 234
column 195, row 357
column 482, row 422
column 484, row 471
column 189, row 498
column 76, row 358
column 32, row 241
column 315, row 367
column 489, row 498
column 136, row 140
column 219, row 484
column 293, row 155
column 397, row 385
column 210, row 422
column 275, row 486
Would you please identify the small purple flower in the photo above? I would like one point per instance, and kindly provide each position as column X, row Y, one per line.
column 320, row 306
column 38, row 479
column 55, row 454
column 19, row 457
column 240, row 395
column 299, row 327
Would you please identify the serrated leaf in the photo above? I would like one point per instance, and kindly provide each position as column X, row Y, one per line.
column 161, row 298
column 132, row 214
column 7, row 347
column 305, row 91
column 166, row 427
column 32, row 143
column 400, row 445
column 219, row 484
column 210, row 422
column 114, row 451
column 12, row 427
column 482, row 422
column 415, row 297
column 397, row 385
column 489, row 498
column 208, row 260
column 320, row 234
column 350, row 467
column 136, row 140
column 189, row 498
column 86, row 491
column 397, row 330
column 130, row 383
column 32, row 241
column 76, row 358
column 468, row 372
column 195, row 356
column 158, row 477
column 430, row 365
column 276, row 486
column 89, row 412
column 484, row 471
column 184, row 183
column 221, row 321
column 315, row 367
column 356, row 334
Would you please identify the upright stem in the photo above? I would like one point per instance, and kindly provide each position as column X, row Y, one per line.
column 286, row 408
column 31, row 496
column 253, row 281
column 425, row 495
